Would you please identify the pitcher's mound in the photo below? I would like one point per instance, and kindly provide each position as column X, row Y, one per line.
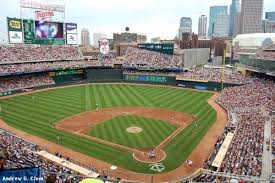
column 134, row 129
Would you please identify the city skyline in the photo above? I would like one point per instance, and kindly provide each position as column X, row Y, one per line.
column 153, row 18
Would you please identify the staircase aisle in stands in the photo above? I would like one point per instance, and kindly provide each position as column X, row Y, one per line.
column 267, row 156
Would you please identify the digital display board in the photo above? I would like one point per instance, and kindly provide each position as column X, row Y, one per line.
column 5, row 93
column 145, row 78
column 49, row 30
column 165, row 48
column 30, row 36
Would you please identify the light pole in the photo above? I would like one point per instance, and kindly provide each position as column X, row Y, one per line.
column 223, row 67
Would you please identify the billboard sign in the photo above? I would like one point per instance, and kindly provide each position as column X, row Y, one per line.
column 165, row 48
column 15, row 30
column 47, row 30
column 42, row 15
column 72, row 39
column 28, row 29
column 71, row 33
column 41, row 6
column 71, row 28
column 15, row 37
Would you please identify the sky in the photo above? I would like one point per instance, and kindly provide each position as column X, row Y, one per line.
column 155, row 18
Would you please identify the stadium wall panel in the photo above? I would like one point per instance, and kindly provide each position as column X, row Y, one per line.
column 68, row 78
column 211, row 86
column 104, row 75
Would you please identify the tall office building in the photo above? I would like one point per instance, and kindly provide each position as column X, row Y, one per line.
column 268, row 26
column 185, row 26
column 269, row 22
column 251, row 16
column 270, row 16
column 97, row 37
column 235, row 9
column 202, row 26
column 214, row 11
column 221, row 26
column 85, row 37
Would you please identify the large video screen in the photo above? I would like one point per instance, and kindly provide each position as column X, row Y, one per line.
column 48, row 30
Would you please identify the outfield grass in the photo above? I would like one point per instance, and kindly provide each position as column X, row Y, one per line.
column 114, row 130
column 37, row 115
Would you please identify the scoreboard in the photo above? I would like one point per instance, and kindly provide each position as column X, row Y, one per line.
column 145, row 78
column 165, row 48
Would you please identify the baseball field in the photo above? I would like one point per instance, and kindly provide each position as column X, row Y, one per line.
column 126, row 116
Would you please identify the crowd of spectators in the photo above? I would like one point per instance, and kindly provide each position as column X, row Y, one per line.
column 96, row 55
column 265, row 53
column 205, row 178
column 18, row 153
column 206, row 74
column 244, row 155
column 31, row 53
column 15, row 153
column 215, row 74
column 238, row 50
column 44, row 66
column 256, row 94
column 22, row 82
column 143, row 58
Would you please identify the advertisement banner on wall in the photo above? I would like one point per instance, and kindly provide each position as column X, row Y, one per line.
column 72, row 39
column 15, row 30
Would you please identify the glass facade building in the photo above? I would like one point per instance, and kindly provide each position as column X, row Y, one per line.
column 214, row 11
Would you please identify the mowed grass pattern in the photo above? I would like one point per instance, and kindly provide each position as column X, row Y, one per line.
column 152, row 134
column 36, row 113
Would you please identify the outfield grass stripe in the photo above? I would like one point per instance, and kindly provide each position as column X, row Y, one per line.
column 95, row 96
column 88, row 102
column 142, row 101
column 129, row 97
column 113, row 101
column 125, row 99
column 120, row 94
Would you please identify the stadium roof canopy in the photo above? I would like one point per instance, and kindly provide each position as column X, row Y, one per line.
column 254, row 40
